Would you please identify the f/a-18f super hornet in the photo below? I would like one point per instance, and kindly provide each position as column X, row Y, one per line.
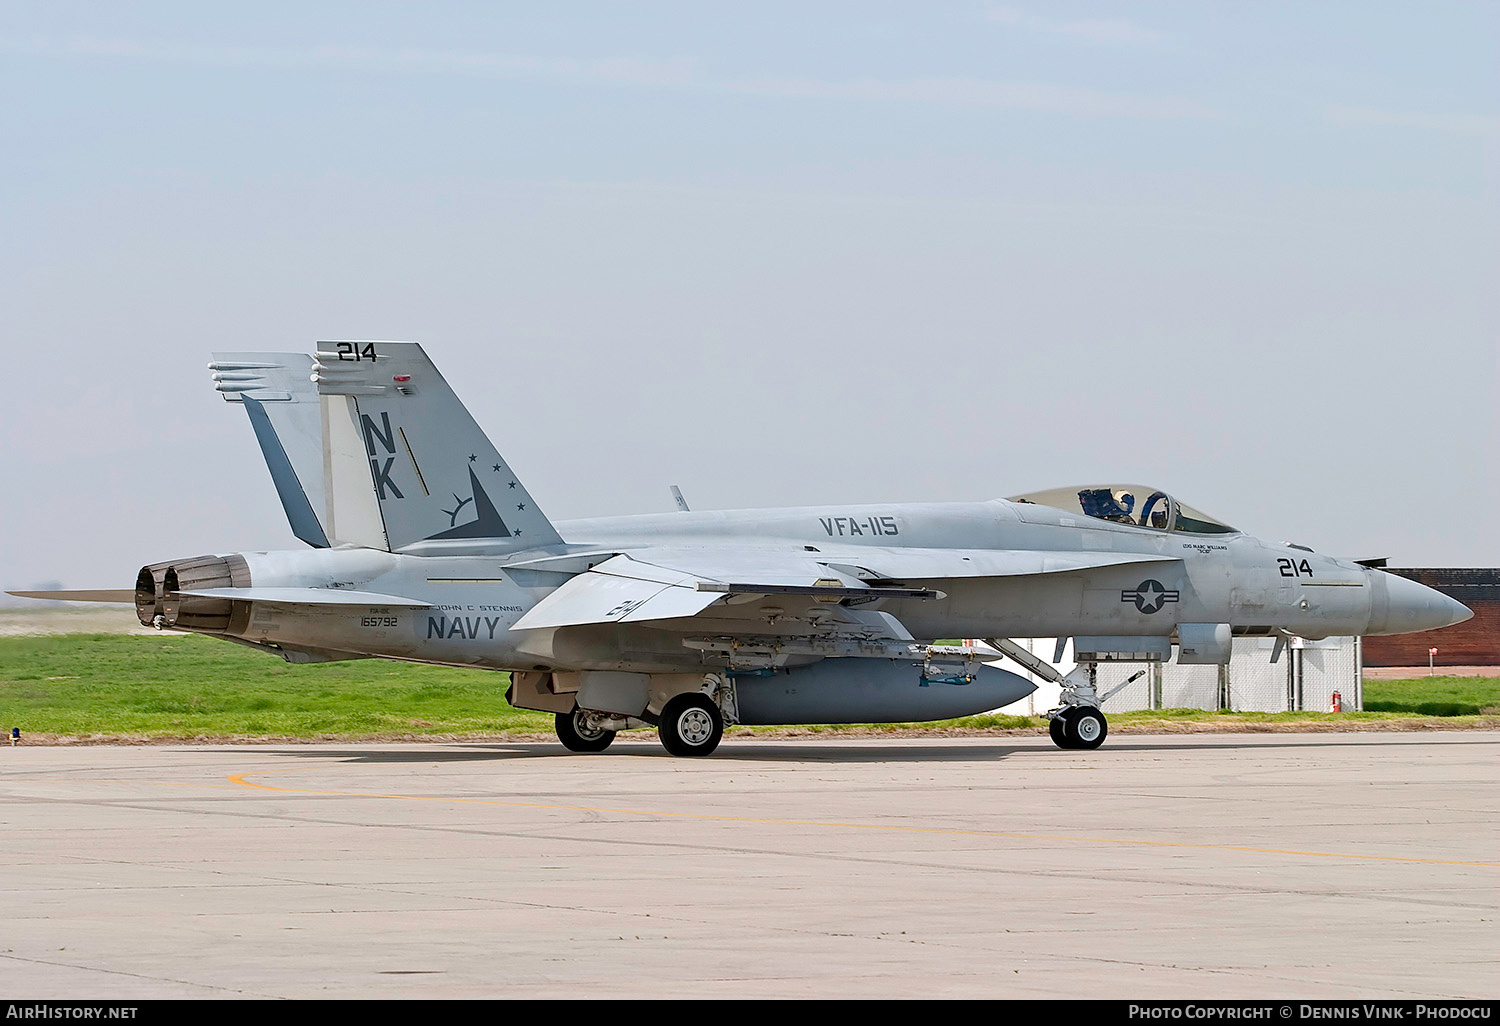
column 426, row 547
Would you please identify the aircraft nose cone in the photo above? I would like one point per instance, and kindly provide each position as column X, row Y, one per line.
column 1405, row 607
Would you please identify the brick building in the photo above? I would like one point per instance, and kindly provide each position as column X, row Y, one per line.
column 1474, row 642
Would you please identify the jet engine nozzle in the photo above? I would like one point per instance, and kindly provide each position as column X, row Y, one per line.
column 1402, row 606
column 160, row 602
column 148, row 593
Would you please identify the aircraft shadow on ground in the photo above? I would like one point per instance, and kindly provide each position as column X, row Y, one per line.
column 1139, row 743
column 808, row 751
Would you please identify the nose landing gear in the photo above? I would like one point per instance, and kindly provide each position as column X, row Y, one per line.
column 1078, row 726
column 1079, row 723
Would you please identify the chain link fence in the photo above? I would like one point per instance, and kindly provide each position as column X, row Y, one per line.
column 1306, row 675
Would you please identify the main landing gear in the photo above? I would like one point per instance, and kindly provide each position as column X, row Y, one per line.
column 579, row 732
column 691, row 724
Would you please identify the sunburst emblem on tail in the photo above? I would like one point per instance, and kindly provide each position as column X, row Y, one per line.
column 487, row 522
column 453, row 513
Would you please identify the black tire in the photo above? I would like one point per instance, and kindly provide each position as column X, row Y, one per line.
column 576, row 735
column 690, row 725
column 1057, row 727
column 1087, row 728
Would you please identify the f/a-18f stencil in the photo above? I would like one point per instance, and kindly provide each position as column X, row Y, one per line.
column 427, row 547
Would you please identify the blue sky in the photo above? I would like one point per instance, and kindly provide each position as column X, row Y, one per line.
column 775, row 253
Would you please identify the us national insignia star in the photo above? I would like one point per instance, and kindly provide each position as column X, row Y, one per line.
column 1149, row 596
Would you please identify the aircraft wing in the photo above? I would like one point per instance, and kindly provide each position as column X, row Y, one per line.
column 619, row 590
column 665, row 584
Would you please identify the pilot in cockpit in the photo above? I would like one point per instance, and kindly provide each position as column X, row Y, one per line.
column 1106, row 505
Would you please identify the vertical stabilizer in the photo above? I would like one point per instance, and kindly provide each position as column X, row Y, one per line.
column 353, row 512
column 434, row 476
column 277, row 392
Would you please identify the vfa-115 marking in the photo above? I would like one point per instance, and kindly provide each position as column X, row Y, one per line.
column 426, row 546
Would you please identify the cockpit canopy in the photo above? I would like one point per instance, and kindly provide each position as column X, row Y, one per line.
column 1136, row 505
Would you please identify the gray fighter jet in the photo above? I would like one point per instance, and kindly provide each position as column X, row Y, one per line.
column 426, row 547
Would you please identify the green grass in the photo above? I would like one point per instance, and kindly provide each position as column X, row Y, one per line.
column 1435, row 696
column 172, row 686
column 84, row 685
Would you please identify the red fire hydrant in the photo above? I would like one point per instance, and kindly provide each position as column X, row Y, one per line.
column 1336, row 704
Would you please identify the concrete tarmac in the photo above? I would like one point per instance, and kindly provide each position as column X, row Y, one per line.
column 1291, row 866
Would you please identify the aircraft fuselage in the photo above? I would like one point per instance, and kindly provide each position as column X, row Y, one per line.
column 475, row 599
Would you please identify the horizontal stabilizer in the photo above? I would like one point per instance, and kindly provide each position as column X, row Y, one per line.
column 308, row 597
column 122, row 595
